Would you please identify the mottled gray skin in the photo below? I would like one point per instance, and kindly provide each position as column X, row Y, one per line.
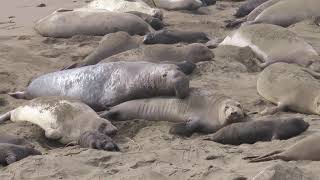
column 253, row 14
column 290, row 87
column 262, row 130
column 108, row 84
column 248, row 6
column 192, row 114
column 178, row 5
column 63, row 119
column 66, row 23
column 10, row 153
column 175, row 36
column 109, row 45
column 155, row 23
column 306, row 149
column 97, row 140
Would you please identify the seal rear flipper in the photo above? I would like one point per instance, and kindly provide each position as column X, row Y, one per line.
column 5, row 117
column 19, row 95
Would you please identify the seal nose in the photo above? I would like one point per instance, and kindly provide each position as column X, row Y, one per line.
column 110, row 146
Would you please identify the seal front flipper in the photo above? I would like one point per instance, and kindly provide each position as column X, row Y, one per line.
column 97, row 140
column 273, row 110
column 186, row 128
column 5, row 117
column 19, row 95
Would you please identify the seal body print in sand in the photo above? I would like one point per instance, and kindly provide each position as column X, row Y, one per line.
column 125, row 6
column 193, row 114
column 267, row 129
column 109, row 84
column 63, row 119
column 272, row 44
column 178, row 4
column 305, row 149
column 290, row 87
column 288, row 12
column 65, row 23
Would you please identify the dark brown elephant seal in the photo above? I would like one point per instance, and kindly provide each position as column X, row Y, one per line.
column 175, row 36
column 67, row 23
column 63, row 119
column 193, row 114
column 261, row 130
column 10, row 153
column 247, row 7
column 103, row 85
column 109, row 45
column 305, row 149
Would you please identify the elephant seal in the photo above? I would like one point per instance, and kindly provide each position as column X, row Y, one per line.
column 109, row 45
column 248, row 6
column 305, row 149
column 166, row 53
column 273, row 44
column 125, row 6
column 63, row 119
column 260, row 130
column 192, row 114
column 173, row 5
column 155, row 23
column 288, row 12
column 109, row 84
column 252, row 15
column 10, row 153
column 175, row 36
column 290, row 87
column 65, row 23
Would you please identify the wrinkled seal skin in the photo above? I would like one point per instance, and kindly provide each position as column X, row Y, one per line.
column 305, row 149
column 192, row 114
column 290, row 87
column 65, row 23
column 178, row 5
column 155, row 23
column 97, row 140
column 261, row 130
column 175, row 36
column 63, row 119
column 247, row 7
column 109, row 84
column 109, row 45
column 10, row 153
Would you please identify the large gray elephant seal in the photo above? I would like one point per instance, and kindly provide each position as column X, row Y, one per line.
column 259, row 130
column 288, row 12
column 166, row 53
column 178, row 4
column 175, row 36
column 248, row 6
column 305, row 149
column 193, row 114
column 63, row 119
column 125, row 6
column 109, row 84
column 290, row 87
column 10, row 153
column 273, row 44
column 65, row 23
column 109, row 45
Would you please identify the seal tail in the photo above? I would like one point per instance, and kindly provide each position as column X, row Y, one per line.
column 5, row 117
column 18, row 95
column 271, row 156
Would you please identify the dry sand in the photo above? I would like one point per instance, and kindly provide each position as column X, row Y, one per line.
column 149, row 151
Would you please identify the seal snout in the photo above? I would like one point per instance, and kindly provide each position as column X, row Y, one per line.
column 233, row 112
column 148, row 39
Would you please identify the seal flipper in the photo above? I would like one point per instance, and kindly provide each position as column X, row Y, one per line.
column 185, row 128
column 11, row 158
column 19, row 95
column 273, row 110
column 5, row 117
column 71, row 66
